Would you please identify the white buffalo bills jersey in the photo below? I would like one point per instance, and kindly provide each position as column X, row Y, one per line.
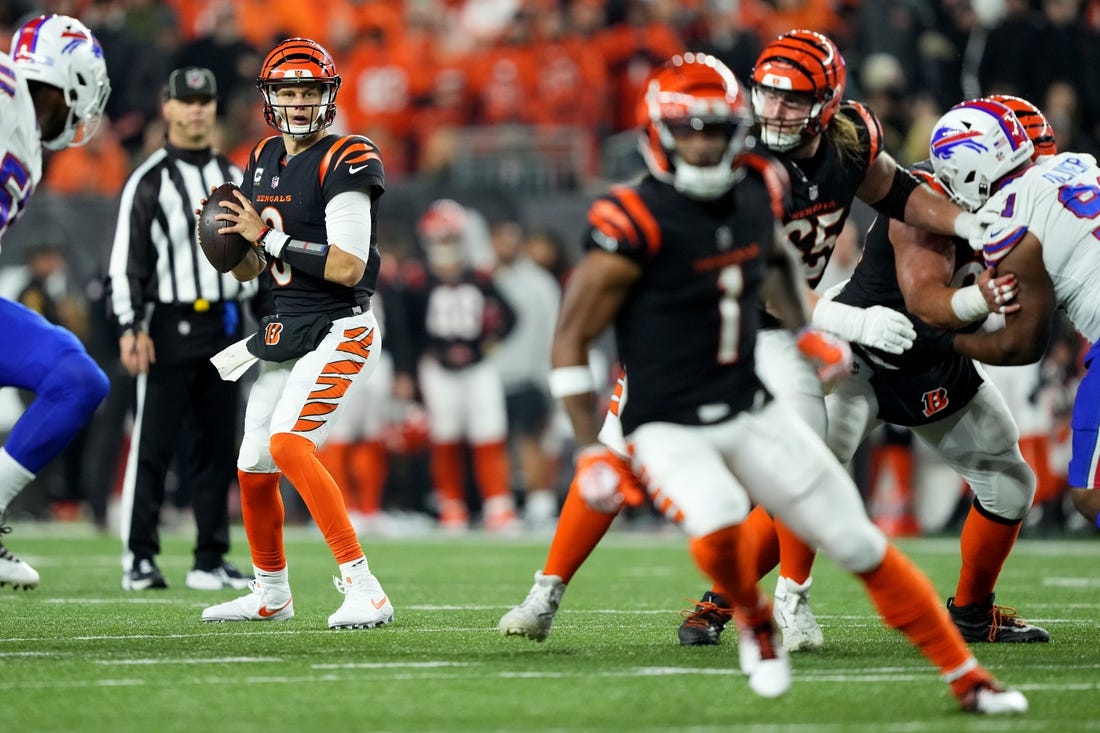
column 20, row 144
column 1057, row 200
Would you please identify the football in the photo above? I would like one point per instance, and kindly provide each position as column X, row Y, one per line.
column 224, row 251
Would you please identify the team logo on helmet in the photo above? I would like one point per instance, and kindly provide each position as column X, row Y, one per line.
column 946, row 139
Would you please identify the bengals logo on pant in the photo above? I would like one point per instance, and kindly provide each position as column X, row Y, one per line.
column 272, row 333
column 934, row 401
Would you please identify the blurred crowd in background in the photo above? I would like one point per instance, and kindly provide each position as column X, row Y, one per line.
column 521, row 110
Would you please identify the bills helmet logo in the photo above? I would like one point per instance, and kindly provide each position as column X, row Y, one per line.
column 946, row 140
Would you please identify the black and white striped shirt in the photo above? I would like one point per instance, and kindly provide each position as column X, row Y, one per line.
column 155, row 257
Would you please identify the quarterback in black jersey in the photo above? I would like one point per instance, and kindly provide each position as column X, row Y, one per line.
column 316, row 195
column 680, row 263
column 943, row 396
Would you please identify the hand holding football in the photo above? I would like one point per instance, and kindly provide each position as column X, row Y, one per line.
column 224, row 251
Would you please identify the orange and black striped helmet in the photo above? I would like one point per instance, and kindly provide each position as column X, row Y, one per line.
column 804, row 65
column 298, row 61
column 693, row 91
column 1035, row 123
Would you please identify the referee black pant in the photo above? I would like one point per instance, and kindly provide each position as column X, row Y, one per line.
column 187, row 398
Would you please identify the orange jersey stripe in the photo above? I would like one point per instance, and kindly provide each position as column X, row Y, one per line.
column 315, row 409
column 874, row 129
column 775, row 178
column 638, row 211
column 611, row 220
column 325, row 161
column 260, row 146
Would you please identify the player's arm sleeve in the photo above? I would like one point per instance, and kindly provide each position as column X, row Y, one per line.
column 348, row 222
column 133, row 256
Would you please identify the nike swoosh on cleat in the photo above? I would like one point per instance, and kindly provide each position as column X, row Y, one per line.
column 379, row 604
column 267, row 612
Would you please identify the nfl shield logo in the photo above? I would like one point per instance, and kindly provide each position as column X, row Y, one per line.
column 274, row 181
column 195, row 79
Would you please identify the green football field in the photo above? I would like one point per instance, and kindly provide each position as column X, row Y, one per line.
column 79, row 654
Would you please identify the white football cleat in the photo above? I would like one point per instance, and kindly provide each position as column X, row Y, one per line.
column 15, row 571
column 794, row 618
column 534, row 617
column 262, row 604
column 764, row 660
column 365, row 604
column 988, row 698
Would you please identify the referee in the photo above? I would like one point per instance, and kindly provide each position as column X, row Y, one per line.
column 174, row 311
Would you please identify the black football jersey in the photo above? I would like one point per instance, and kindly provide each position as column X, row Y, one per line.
column 929, row 381
column 875, row 282
column 290, row 196
column 823, row 188
column 687, row 330
column 454, row 320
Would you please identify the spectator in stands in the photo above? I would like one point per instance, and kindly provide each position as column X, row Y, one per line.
column 99, row 168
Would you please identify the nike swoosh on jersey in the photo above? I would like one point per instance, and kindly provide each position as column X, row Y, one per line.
column 353, row 169
column 266, row 612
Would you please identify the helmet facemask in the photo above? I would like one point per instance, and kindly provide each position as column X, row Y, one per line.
column 294, row 62
column 694, row 93
column 60, row 51
column 805, row 69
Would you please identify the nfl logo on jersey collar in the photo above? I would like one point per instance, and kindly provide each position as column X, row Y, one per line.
column 274, row 181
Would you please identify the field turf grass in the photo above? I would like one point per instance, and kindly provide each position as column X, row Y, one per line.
column 80, row 654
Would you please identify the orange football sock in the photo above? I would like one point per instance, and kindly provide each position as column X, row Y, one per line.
column 369, row 469
column 449, row 472
column 985, row 544
column 334, row 457
column 796, row 558
column 297, row 458
column 580, row 528
column 263, row 514
column 907, row 601
column 492, row 469
column 716, row 554
column 759, row 542
column 1036, row 452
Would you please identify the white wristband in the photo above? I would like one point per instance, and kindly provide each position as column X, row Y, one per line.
column 964, row 222
column 969, row 304
column 274, row 242
column 571, row 380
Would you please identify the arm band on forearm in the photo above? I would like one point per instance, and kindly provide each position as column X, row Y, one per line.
column 571, row 380
column 893, row 203
column 306, row 257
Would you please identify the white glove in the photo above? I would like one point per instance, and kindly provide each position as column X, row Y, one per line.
column 972, row 227
column 878, row 326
